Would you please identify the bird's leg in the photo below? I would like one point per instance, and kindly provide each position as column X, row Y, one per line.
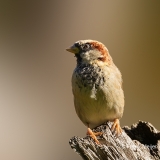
column 93, row 135
column 116, row 127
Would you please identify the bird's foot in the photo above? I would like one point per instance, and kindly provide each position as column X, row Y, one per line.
column 116, row 128
column 93, row 135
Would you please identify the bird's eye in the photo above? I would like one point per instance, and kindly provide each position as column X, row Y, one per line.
column 86, row 46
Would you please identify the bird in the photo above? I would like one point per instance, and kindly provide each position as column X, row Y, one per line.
column 96, row 87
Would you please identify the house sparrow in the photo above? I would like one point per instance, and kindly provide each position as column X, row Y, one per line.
column 96, row 86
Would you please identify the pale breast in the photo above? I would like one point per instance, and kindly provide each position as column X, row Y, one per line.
column 94, row 95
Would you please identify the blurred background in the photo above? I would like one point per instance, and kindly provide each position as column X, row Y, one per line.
column 37, row 116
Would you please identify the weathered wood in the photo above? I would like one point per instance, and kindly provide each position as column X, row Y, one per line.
column 140, row 142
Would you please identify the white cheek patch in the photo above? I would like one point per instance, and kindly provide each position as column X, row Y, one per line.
column 85, row 56
column 96, row 54
column 91, row 55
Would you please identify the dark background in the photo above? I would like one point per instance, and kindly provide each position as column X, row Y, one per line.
column 37, row 116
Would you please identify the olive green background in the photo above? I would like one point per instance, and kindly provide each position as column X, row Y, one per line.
column 37, row 116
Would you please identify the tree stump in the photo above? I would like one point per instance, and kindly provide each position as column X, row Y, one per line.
column 140, row 142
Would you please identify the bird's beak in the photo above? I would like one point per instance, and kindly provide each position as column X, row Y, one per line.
column 73, row 49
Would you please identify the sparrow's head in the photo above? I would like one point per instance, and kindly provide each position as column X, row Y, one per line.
column 90, row 51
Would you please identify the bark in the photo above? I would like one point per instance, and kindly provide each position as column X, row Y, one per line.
column 140, row 142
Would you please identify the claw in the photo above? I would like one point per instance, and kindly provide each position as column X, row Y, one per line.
column 116, row 127
column 93, row 135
